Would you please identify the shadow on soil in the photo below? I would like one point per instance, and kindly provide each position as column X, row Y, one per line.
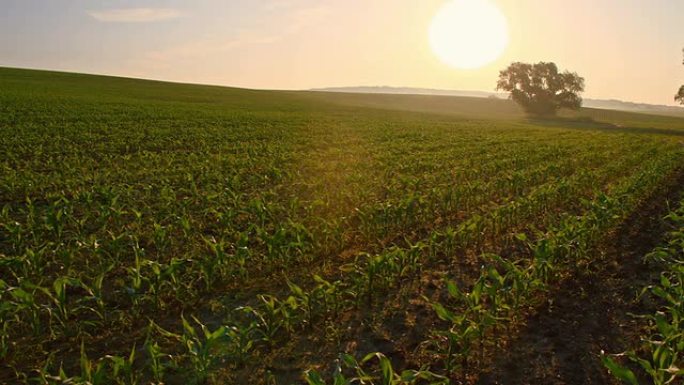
column 589, row 310
column 589, row 124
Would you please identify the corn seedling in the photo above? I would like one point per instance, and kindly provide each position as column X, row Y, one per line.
column 202, row 347
column 385, row 375
column 156, row 360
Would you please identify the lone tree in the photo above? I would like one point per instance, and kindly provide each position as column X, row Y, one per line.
column 680, row 95
column 540, row 89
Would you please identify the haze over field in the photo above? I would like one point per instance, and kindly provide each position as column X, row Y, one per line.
column 592, row 103
column 627, row 49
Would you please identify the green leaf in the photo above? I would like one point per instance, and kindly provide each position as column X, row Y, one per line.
column 313, row 378
column 349, row 361
column 453, row 290
column 370, row 356
column 386, row 367
column 189, row 329
column 665, row 282
column 296, row 290
column 216, row 334
column 409, row 376
column 443, row 313
column 348, row 268
column 619, row 372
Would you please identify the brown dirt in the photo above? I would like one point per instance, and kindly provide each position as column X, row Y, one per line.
column 590, row 310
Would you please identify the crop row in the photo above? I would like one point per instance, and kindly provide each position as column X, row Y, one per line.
column 471, row 315
column 477, row 318
column 660, row 359
column 148, row 282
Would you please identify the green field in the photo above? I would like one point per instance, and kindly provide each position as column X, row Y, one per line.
column 154, row 232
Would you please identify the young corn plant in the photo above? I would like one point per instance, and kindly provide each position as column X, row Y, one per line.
column 242, row 255
column 136, row 277
column 96, row 290
column 202, row 348
column 13, row 231
column 329, row 295
column 385, row 374
column 271, row 317
column 455, row 344
column 323, row 300
column 5, row 326
column 92, row 373
column 303, row 300
column 161, row 237
column 516, row 284
column 664, row 348
column 478, row 306
column 156, row 361
column 243, row 340
column 58, row 297
column 22, row 304
column 373, row 274
column 213, row 265
column 467, row 328
column 122, row 369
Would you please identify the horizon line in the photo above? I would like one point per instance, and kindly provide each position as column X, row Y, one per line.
column 314, row 89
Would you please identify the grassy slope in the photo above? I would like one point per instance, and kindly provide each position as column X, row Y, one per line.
column 172, row 150
column 93, row 88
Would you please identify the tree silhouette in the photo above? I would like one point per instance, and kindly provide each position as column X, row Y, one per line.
column 540, row 88
column 680, row 95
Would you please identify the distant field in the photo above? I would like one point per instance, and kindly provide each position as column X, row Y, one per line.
column 236, row 236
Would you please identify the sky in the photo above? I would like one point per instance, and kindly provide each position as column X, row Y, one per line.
column 626, row 49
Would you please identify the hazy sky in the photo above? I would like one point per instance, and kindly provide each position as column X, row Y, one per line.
column 626, row 49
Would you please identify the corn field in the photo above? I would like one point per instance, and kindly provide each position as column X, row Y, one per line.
column 160, row 233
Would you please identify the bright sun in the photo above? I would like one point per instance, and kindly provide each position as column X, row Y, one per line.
column 469, row 34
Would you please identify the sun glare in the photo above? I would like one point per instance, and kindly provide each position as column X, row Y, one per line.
column 469, row 34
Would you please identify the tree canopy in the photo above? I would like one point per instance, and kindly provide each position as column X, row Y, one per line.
column 540, row 88
column 680, row 95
